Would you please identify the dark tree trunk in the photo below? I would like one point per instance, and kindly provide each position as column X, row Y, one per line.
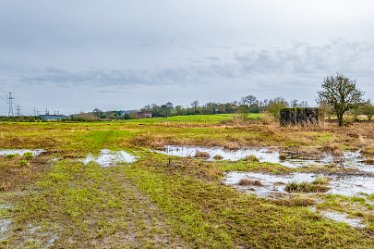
column 340, row 119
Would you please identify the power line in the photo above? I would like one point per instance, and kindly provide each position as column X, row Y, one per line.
column 10, row 102
column 18, row 110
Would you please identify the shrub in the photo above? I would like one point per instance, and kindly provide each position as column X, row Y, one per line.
column 276, row 105
column 10, row 156
column 28, row 155
column 23, row 163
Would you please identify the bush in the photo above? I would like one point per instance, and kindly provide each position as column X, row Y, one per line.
column 23, row 163
column 276, row 105
column 10, row 156
column 28, row 155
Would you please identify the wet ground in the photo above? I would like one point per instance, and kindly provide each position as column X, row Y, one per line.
column 108, row 158
column 348, row 159
column 341, row 217
column 5, row 222
column 20, row 152
column 275, row 185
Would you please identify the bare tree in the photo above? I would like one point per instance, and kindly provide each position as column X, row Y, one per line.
column 195, row 105
column 249, row 100
column 295, row 103
column 341, row 93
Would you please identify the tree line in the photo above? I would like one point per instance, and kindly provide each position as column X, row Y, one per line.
column 247, row 104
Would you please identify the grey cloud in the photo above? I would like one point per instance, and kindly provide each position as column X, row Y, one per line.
column 295, row 60
column 301, row 58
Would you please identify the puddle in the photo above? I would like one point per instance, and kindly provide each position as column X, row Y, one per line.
column 4, row 223
column 353, row 159
column 348, row 159
column 4, row 227
column 109, row 158
column 5, row 206
column 264, row 155
column 274, row 186
column 51, row 241
column 21, row 152
column 340, row 217
column 40, row 238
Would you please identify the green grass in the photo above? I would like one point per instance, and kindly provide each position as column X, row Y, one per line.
column 320, row 184
column 85, row 205
column 254, row 167
column 157, row 203
column 233, row 218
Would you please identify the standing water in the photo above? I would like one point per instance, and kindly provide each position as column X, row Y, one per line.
column 21, row 152
column 109, row 158
column 349, row 159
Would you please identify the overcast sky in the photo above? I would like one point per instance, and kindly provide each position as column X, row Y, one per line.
column 76, row 55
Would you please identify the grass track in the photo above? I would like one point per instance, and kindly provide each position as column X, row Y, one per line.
column 150, row 204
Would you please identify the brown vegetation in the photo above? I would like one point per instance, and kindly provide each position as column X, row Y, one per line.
column 282, row 157
column 202, row 154
column 251, row 158
column 295, row 202
column 250, row 182
column 14, row 172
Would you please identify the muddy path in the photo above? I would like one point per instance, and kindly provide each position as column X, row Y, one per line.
column 114, row 214
column 146, row 225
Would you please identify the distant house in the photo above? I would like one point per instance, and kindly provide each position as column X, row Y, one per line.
column 52, row 117
column 144, row 114
column 127, row 112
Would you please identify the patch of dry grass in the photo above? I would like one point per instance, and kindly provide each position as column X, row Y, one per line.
column 202, row 154
column 250, row 182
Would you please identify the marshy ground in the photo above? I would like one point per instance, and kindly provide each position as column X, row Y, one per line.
column 106, row 185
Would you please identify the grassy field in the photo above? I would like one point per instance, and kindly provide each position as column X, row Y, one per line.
column 56, row 201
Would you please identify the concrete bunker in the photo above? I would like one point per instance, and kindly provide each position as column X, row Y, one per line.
column 300, row 116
